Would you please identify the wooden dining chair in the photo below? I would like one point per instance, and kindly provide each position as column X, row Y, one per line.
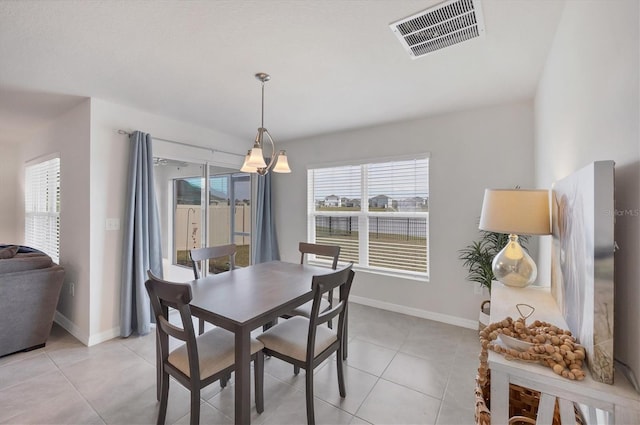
column 199, row 256
column 304, row 342
column 202, row 359
column 331, row 251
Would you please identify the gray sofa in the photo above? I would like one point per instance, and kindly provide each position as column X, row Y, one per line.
column 30, row 285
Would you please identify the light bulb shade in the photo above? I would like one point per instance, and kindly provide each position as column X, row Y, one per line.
column 513, row 266
column 517, row 211
column 256, row 160
column 246, row 168
column 282, row 163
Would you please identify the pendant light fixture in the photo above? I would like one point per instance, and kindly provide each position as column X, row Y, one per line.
column 255, row 161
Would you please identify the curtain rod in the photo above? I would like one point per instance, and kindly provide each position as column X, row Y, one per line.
column 185, row 144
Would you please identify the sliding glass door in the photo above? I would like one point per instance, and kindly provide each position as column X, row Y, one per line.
column 201, row 205
column 240, row 219
column 230, row 211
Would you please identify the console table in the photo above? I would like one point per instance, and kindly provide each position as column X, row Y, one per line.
column 618, row 403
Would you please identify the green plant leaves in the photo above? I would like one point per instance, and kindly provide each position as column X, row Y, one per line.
column 478, row 255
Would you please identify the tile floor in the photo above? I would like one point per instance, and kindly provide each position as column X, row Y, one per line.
column 400, row 370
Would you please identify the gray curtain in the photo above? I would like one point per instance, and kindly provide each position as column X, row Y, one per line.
column 266, row 246
column 142, row 240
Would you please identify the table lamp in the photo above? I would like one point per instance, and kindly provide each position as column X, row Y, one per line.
column 516, row 212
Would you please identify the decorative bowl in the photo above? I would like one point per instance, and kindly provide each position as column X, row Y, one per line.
column 515, row 343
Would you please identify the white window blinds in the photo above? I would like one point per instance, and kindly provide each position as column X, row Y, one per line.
column 42, row 207
column 377, row 212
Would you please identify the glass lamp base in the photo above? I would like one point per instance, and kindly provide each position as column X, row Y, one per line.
column 513, row 266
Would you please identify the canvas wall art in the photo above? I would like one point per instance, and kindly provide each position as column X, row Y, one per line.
column 583, row 215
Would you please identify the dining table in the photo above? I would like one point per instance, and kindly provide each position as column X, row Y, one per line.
column 244, row 299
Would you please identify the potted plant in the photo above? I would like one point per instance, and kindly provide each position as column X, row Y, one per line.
column 477, row 258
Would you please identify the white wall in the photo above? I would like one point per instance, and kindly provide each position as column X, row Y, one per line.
column 586, row 109
column 10, row 198
column 109, row 163
column 470, row 151
column 69, row 135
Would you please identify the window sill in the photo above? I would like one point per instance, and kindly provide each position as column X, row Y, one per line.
column 420, row 277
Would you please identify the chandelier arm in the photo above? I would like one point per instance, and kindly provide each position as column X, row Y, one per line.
column 272, row 161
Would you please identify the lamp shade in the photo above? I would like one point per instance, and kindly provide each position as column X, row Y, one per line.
column 246, row 168
column 282, row 164
column 516, row 211
column 256, row 160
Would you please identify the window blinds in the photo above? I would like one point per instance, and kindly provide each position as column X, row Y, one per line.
column 377, row 212
column 42, row 207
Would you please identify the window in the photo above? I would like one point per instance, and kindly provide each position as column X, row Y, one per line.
column 229, row 216
column 201, row 204
column 378, row 212
column 42, row 207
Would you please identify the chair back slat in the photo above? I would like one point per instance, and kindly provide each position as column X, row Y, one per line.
column 331, row 251
column 171, row 329
column 199, row 255
column 330, row 314
column 341, row 279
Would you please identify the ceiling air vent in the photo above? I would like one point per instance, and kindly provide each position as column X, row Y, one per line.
column 441, row 26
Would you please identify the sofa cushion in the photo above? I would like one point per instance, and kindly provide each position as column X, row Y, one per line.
column 8, row 252
column 22, row 262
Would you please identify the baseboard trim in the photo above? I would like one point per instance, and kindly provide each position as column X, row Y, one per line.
column 104, row 336
column 71, row 327
column 424, row 314
column 87, row 340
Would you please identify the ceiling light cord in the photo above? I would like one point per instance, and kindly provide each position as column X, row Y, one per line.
column 262, row 113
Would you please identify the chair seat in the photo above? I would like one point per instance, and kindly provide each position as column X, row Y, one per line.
column 305, row 309
column 290, row 338
column 216, row 351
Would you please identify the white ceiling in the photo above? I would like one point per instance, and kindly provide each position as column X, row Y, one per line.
column 335, row 64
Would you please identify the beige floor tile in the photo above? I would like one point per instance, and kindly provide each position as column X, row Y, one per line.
column 275, row 393
column 434, row 341
column 358, row 421
column 26, row 368
column 209, row 415
column 461, row 387
column 107, row 372
column 293, row 411
column 368, row 357
column 451, row 414
column 144, row 346
column 284, row 371
column 391, row 403
column 48, row 398
column 426, row 376
column 145, row 408
column 358, row 386
column 380, row 327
